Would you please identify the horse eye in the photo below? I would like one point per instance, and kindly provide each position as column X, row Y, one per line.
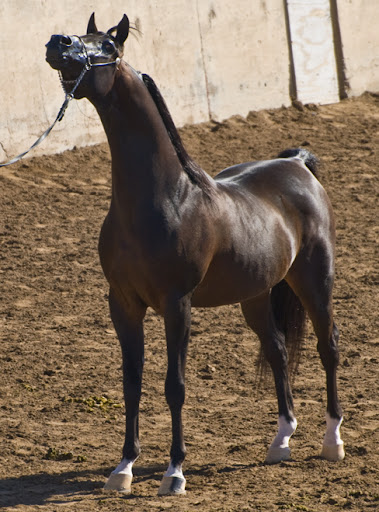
column 108, row 47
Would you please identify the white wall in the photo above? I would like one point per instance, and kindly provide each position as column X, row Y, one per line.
column 245, row 55
column 207, row 59
column 359, row 24
column 210, row 58
column 313, row 51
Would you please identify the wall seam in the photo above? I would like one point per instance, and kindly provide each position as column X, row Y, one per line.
column 2, row 148
column 203, row 62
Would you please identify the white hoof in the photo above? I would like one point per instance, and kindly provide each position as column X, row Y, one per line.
column 119, row 482
column 279, row 449
column 172, row 486
column 333, row 453
column 277, row 454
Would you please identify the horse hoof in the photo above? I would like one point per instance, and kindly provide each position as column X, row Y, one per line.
column 172, row 486
column 333, row 452
column 277, row 454
column 119, row 482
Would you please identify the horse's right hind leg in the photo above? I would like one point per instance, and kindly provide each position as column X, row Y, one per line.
column 332, row 448
column 312, row 280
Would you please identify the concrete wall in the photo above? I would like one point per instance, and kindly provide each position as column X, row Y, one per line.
column 312, row 47
column 210, row 58
column 359, row 25
column 252, row 29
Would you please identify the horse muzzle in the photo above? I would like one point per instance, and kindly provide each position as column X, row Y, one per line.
column 66, row 53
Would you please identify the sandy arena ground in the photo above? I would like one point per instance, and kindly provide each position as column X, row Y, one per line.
column 61, row 424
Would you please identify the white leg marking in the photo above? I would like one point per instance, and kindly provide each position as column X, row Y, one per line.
column 174, row 471
column 173, row 482
column 332, row 448
column 285, row 431
column 121, row 478
column 279, row 449
column 332, row 435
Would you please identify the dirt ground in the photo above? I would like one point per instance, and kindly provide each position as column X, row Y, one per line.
column 61, row 424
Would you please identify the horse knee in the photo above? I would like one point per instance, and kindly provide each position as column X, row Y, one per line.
column 132, row 386
column 175, row 392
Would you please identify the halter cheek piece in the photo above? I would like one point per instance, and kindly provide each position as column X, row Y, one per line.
column 69, row 96
column 86, row 67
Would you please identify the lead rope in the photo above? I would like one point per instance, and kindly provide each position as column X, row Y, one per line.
column 68, row 98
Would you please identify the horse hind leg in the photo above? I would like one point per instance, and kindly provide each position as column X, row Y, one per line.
column 333, row 446
column 259, row 316
column 312, row 280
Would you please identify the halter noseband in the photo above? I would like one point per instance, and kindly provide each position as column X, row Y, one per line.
column 87, row 66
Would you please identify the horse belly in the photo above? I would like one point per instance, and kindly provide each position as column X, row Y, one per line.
column 228, row 282
column 256, row 251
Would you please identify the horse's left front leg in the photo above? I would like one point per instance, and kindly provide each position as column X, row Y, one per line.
column 177, row 325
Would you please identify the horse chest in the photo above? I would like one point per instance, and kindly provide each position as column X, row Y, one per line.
column 140, row 266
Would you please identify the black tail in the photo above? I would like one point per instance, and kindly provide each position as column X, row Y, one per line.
column 310, row 160
column 290, row 319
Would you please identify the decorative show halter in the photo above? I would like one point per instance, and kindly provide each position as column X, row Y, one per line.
column 69, row 96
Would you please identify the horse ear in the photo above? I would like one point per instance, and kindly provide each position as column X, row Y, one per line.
column 122, row 30
column 91, row 28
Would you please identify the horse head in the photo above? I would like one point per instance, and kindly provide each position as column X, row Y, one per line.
column 91, row 59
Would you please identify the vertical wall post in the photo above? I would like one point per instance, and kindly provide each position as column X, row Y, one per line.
column 343, row 84
column 292, row 84
column 313, row 51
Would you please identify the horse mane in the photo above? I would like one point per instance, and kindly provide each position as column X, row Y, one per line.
column 192, row 169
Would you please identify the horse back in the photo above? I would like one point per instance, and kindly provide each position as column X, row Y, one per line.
column 285, row 184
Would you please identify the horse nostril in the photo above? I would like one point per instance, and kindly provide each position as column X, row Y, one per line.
column 66, row 40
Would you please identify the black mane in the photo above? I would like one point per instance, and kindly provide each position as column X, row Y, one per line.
column 193, row 170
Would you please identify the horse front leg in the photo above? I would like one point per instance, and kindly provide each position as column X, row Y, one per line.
column 177, row 325
column 127, row 321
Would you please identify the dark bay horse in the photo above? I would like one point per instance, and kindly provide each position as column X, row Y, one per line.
column 260, row 233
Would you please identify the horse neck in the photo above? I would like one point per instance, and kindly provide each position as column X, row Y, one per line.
column 144, row 162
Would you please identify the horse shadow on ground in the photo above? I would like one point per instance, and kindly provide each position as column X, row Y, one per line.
column 44, row 488
column 70, row 486
column 40, row 488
